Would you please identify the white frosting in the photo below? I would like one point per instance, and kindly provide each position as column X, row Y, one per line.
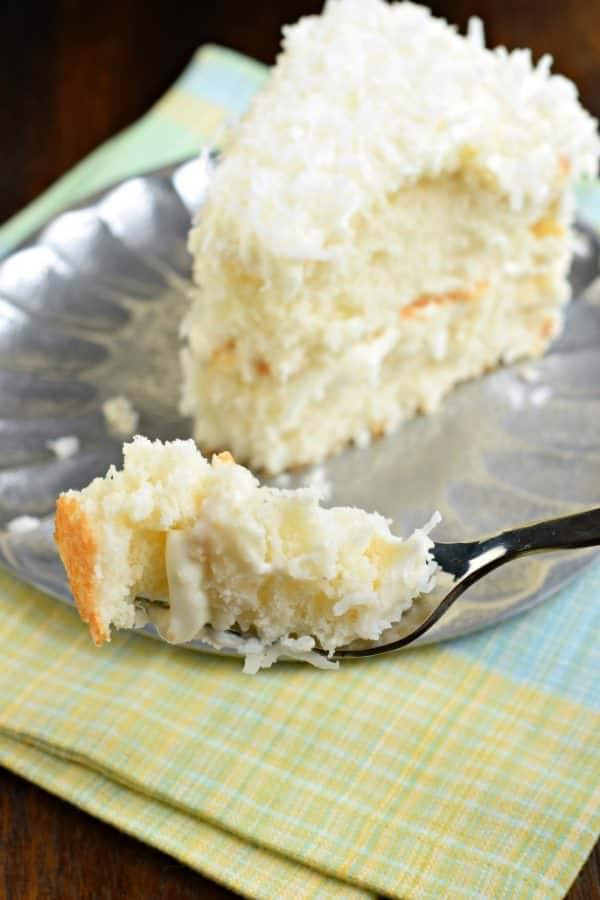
column 370, row 97
column 188, row 604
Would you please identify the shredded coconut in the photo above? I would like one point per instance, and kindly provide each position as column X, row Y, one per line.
column 64, row 447
column 121, row 418
column 260, row 655
column 411, row 99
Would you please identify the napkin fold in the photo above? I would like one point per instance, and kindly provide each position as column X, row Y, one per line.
column 470, row 769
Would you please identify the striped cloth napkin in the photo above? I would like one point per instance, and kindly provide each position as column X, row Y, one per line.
column 470, row 769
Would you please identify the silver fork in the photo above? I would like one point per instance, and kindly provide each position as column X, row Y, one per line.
column 466, row 562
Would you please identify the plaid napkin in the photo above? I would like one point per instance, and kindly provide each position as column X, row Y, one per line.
column 470, row 769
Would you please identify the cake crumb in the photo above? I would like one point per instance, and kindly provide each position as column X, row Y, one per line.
column 64, row 447
column 120, row 416
column 22, row 524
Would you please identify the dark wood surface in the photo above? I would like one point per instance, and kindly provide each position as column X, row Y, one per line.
column 50, row 850
column 74, row 73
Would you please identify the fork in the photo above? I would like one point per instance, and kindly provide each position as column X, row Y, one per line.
column 468, row 561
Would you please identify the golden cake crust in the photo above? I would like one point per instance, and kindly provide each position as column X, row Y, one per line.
column 78, row 550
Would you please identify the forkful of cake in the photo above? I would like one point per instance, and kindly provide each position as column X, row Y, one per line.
column 203, row 551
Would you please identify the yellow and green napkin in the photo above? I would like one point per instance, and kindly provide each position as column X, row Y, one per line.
column 470, row 769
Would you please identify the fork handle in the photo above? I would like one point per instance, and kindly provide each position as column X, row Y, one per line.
column 568, row 532
column 470, row 561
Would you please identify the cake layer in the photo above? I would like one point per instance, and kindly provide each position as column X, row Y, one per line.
column 439, row 236
column 367, row 389
column 215, row 549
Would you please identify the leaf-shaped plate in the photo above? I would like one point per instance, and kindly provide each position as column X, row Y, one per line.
column 90, row 308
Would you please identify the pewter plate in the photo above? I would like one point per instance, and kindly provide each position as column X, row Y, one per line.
column 89, row 309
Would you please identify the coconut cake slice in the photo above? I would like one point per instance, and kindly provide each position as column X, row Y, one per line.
column 392, row 216
column 203, row 548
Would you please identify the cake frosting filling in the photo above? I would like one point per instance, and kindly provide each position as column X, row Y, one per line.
column 204, row 551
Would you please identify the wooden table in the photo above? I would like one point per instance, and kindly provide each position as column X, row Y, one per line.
column 79, row 72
